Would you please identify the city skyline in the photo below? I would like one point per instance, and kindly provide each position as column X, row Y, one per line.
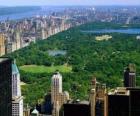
column 68, row 2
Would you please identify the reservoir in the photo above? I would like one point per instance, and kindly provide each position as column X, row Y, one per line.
column 105, row 31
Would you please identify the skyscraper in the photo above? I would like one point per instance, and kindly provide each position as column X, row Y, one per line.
column 5, row 87
column 2, row 44
column 118, row 102
column 92, row 98
column 17, row 99
column 98, row 99
column 16, row 90
column 124, row 102
column 58, row 98
column 18, row 40
column 130, row 76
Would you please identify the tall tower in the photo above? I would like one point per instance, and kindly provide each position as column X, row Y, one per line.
column 130, row 76
column 43, row 33
column 5, row 87
column 18, row 40
column 98, row 99
column 56, row 86
column 17, row 99
column 58, row 98
column 2, row 44
column 93, row 97
column 16, row 90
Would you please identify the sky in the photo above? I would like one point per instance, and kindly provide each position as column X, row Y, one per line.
column 67, row 2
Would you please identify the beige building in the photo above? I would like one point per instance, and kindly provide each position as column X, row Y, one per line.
column 17, row 40
column 58, row 97
column 98, row 99
column 2, row 44
column 26, row 111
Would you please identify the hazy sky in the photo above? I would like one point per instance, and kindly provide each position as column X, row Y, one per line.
column 68, row 2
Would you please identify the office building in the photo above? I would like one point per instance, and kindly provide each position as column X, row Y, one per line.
column 17, row 106
column 5, row 87
column 16, row 90
column 130, row 76
column 58, row 97
column 124, row 102
column 98, row 98
column 118, row 102
column 2, row 44
column 47, row 106
column 18, row 40
column 17, row 99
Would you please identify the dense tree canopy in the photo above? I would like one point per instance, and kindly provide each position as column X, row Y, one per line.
column 104, row 59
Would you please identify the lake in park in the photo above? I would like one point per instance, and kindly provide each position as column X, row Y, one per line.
column 56, row 52
column 123, row 31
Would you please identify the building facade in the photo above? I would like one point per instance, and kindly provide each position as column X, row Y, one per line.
column 124, row 102
column 5, row 87
column 17, row 106
column 130, row 76
column 58, row 97
column 2, row 44
column 98, row 99
column 17, row 99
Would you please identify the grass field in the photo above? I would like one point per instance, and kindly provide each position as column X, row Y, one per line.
column 45, row 69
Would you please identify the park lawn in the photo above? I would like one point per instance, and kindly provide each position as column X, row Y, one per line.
column 45, row 69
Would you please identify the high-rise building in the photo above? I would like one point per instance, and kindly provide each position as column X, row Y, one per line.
column 5, row 87
column 17, row 40
column 16, row 90
column 46, row 106
column 124, row 102
column 58, row 97
column 118, row 102
column 92, row 98
column 130, row 76
column 2, row 44
column 17, row 99
column 98, row 99
column 17, row 106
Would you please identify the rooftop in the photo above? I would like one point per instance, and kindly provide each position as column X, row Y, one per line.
column 14, row 68
column 3, row 59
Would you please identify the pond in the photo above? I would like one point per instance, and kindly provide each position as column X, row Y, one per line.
column 56, row 52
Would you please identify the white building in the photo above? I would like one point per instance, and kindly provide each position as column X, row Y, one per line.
column 17, row 99
column 17, row 106
column 16, row 90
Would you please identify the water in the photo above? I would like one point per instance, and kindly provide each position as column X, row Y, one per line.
column 23, row 15
column 123, row 31
column 56, row 52
column 18, row 16
column 42, row 11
